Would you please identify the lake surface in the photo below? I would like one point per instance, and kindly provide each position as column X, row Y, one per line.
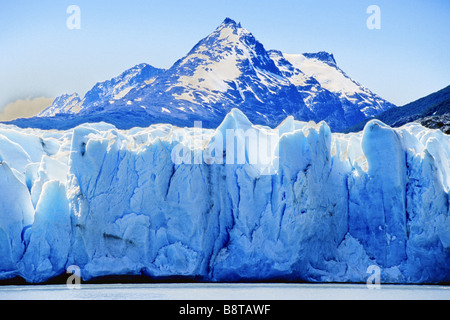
column 221, row 291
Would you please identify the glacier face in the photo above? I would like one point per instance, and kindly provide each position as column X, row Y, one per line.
column 114, row 202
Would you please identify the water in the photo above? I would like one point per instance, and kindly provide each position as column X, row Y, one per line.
column 220, row 291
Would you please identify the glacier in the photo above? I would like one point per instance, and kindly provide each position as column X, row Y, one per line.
column 114, row 202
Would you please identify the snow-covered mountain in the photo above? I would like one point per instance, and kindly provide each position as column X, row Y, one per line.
column 327, row 91
column 118, row 202
column 110, row 91
column 227, row 69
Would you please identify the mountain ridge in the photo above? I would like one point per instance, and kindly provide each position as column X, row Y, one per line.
column 412, row 111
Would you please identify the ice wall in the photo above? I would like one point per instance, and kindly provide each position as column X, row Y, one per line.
column 115, row 202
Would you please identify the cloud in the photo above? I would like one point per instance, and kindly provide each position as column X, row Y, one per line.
column 24, row 108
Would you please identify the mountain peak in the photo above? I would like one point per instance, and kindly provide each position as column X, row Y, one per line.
column 323, row 56
column 231, row 26
column 231, row 22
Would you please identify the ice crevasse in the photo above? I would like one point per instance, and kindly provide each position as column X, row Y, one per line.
column 114, row 202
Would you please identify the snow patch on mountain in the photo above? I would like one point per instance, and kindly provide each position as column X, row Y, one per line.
column 327, row 75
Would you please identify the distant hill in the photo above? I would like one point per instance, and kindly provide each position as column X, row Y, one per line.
column 441, row 122
column 438, row 109
column 435, row 104
column 437, row 117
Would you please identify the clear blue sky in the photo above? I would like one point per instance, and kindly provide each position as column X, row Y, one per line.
column 39, row 56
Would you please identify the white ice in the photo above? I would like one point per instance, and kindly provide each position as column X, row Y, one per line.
column 113, row 202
